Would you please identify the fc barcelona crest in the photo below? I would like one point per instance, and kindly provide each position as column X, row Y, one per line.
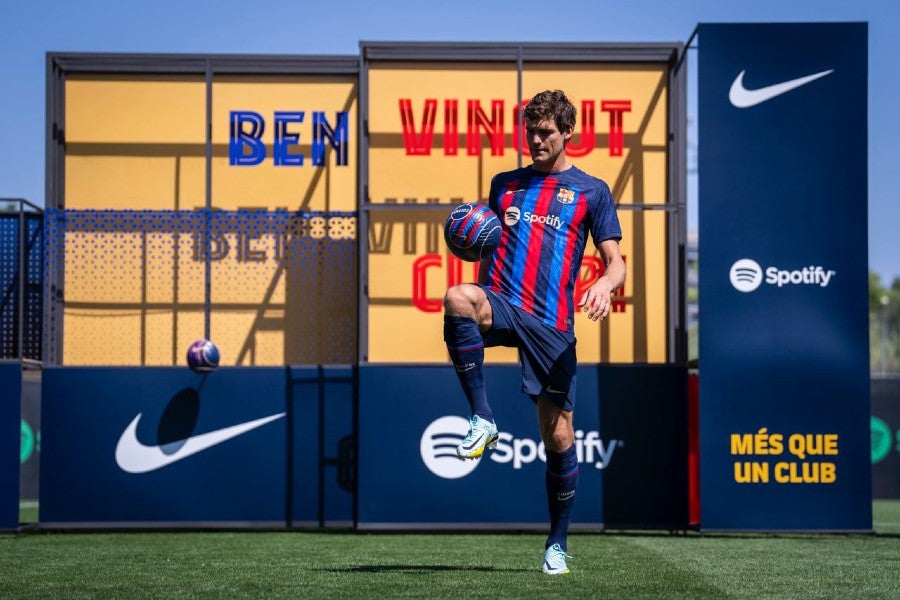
column 565, row 196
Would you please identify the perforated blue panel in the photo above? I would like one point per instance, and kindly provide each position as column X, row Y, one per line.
column 280, row 287
column 15, row 298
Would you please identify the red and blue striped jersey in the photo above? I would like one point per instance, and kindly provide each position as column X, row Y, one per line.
column 546, row 219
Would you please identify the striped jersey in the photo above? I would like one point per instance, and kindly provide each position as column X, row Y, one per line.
column 546, row 219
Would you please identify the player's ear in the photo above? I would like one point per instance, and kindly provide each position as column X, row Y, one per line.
column 567, row 135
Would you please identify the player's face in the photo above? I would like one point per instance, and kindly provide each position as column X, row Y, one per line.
column 547, row 144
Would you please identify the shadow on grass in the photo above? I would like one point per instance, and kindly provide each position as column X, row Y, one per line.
column 419, row 569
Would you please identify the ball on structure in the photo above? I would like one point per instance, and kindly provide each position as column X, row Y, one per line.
column 472, row 231
column 203, row 356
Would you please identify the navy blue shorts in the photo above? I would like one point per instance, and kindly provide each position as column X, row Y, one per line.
column 547, row 355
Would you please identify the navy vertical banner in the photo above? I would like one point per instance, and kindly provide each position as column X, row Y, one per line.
column 10, row 398
column 784, row 372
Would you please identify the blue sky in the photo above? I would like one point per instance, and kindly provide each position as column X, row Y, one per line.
column 31, row 29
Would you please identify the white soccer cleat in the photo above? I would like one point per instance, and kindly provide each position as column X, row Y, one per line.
column 482, row 434
column 555, row 560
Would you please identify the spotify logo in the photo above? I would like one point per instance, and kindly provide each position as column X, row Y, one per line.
column 745, row 275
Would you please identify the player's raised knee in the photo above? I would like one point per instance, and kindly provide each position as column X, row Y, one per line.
column 462, row 299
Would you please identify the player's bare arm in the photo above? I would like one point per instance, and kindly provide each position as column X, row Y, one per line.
column 597, row 301
column 483, row 269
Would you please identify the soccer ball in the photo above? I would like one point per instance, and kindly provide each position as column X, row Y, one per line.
column 203, row 356
column 472, row 232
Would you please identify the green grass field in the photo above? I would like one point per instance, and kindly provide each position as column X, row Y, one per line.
column 359, row 565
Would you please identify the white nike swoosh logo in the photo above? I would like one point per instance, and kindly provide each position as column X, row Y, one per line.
column 134, row 457
column 476, row 442
column 741, row 97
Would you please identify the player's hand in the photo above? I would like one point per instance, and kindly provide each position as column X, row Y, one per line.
column 596, row 300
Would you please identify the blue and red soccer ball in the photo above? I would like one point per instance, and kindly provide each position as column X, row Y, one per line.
column 203, row 356
column 472, row 232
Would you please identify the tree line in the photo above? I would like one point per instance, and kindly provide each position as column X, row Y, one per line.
column 884, row 325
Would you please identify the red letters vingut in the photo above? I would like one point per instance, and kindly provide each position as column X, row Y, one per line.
column 419, row 140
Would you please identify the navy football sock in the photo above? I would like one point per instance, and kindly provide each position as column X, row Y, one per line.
column 562, row 477
column 466, row 347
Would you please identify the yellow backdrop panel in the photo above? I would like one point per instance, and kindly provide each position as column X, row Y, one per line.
column 415, row 107
column 138, row 142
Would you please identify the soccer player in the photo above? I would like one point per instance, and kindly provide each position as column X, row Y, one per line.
column 525, row 299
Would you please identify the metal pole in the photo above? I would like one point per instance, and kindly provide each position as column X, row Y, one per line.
column 21, row 307
column 207, row 258
column 884, row 341
column 520, row 66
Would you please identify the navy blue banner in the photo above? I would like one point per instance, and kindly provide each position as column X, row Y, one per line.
column 322, row 445
column 412, row 419
column 11, row 386
column 784, row 371
column 139, row 445
column 646, row 486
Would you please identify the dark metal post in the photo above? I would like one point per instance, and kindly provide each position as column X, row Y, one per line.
column 207, row 259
